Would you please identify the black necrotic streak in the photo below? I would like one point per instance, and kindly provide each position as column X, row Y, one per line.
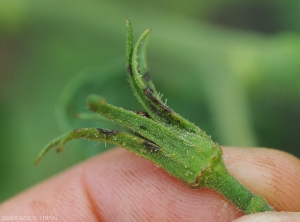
column 151, row 96
column 107, row 132
column 151, row 146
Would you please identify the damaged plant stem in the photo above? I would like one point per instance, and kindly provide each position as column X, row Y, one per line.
column 162, row 136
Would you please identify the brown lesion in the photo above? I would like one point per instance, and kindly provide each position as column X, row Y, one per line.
column 151, row 146
column 129, row 70
column 107, row 132
column 142, row 113
column 147, row 76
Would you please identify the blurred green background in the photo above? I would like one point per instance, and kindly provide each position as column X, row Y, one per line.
column 232, row 67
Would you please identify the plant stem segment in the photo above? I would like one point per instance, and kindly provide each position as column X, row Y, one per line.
column 219, row 179
column 164, row 137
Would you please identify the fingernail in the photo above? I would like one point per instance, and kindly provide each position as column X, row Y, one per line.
column 271, row 217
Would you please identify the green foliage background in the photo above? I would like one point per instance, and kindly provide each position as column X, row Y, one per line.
column 232, row 67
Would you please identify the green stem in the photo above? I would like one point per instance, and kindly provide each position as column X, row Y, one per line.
column 223, row 182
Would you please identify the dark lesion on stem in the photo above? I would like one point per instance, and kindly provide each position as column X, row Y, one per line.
column 151, row 146
column 143, row 126
column 129, row 70
column 148, row 92
column 107, row 133
column 147, row 76
column 142, row 113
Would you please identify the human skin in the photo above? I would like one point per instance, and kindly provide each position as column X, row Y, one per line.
column 120, row 186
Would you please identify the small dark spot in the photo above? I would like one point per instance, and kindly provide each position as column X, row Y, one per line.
column 142, row 113
column 151, row 146
column 107, row 132
column 129, row 70
column 147, row 92
column 143, row 127
column 147, row 76
column 150, row 91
